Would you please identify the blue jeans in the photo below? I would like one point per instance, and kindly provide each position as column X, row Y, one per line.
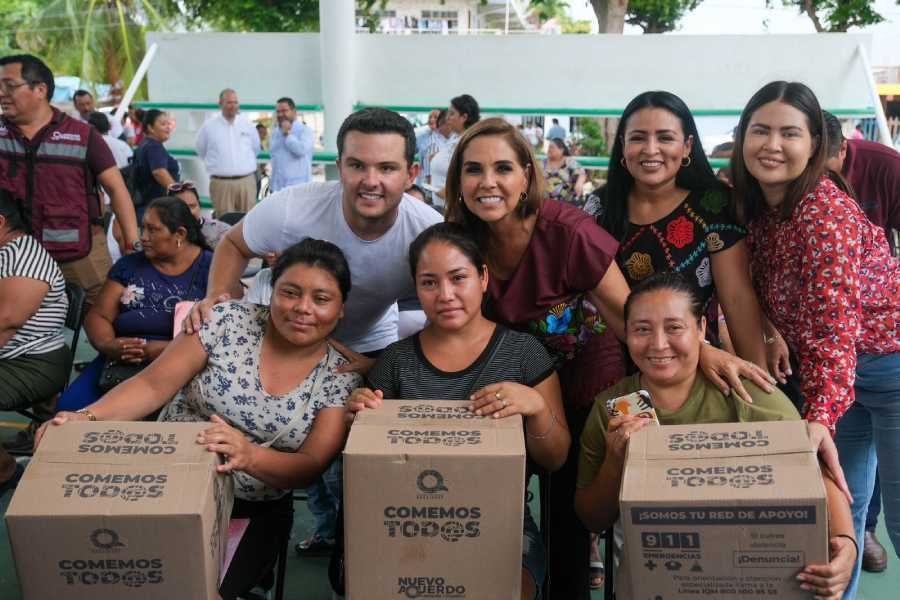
column 324, row 499
column 868, row 440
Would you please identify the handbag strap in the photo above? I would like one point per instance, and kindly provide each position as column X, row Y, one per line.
column 298, row 414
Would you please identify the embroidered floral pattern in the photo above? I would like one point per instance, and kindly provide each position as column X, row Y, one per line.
column 681, row 241
column 714, row 241
column 568, row 326
column 826, row 279
column 680, row 232
column 704, row 277
column 639, row 266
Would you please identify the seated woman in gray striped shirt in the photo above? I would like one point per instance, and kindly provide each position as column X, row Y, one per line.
column 33, row 304
column 462, row 355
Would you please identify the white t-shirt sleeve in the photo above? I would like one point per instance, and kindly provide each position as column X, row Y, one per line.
column 264, row 225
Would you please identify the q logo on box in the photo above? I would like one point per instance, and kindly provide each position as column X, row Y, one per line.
column 430, row 481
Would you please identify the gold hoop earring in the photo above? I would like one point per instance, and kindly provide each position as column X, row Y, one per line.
column 622, row 161
column 686, row 164
column 523, row 197
column 178, row 243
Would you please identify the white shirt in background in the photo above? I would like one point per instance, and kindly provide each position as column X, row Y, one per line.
column 379, row 269
column 121, row 151
column 229, row 149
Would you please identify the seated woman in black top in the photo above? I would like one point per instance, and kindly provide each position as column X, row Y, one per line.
column 462, row 355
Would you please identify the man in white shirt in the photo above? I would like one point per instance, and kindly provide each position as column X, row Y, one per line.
column 291, row 147
column 228, row 143
column 84, row 106
column 366, row 214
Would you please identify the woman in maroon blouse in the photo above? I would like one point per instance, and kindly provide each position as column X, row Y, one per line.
column 553, row 274
column 826, row 280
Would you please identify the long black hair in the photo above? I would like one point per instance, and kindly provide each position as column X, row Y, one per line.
column 174, row 213
column 697, row 176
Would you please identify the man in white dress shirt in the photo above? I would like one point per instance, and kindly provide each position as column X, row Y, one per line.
column 84, row 106
column 228, row 143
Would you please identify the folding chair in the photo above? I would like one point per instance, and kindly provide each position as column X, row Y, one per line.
column 74, row 320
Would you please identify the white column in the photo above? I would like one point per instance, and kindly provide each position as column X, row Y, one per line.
column 880, row 118
column 337, row 32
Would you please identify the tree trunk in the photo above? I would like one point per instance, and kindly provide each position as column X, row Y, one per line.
column 810, row 9
column 610, row 14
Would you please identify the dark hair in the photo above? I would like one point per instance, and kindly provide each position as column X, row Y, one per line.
column 99, row 121
column 416, row 188
column 379, row 120
column 666, row 280
column 175, row 214
column 561, row 144
column 11, row 210
column 555, row 121
column 834, row 134
column 316, row 253
column 453, row 234
column 288, row 101
column 697, row 176
column 467, row 105
column 139, row 113
column 34, row 71
column 746, row 187
column 150, row 117
column 456, row 210
column 442, row 117
column 80, row 93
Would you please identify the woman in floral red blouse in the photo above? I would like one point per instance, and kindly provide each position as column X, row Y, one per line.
column 826, row 279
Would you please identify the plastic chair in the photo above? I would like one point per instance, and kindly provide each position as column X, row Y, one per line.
column 74, row 321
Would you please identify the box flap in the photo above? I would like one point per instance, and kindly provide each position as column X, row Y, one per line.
column 719, row 440
column 124, row 443
column 433, row 427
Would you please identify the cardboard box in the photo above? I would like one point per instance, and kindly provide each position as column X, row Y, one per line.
column 120, row 510
column 730, row 510
column 434, row 502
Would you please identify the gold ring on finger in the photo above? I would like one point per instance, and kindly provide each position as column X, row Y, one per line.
column 497, row 395
column 504, row 403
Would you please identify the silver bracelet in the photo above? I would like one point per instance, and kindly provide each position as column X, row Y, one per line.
column 546, row 433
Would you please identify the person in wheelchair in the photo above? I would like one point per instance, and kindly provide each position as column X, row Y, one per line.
column 461, row 355
column 265, row 377
column 665, row 329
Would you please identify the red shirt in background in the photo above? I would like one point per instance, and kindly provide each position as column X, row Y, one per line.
column 873, row 170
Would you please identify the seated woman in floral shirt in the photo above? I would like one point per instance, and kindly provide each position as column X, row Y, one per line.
column 266, row 378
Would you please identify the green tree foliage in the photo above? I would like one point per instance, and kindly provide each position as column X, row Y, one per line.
column 658, row 16
column 98, row 40
column 254, row 15
column 545, row 10
column 836, row 15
